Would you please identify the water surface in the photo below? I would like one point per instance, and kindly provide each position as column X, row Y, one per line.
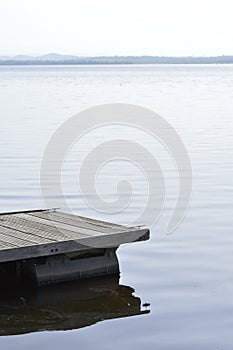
column 187, row 276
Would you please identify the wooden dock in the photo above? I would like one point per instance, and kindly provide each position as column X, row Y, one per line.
column 31, row 234
column 49, row 246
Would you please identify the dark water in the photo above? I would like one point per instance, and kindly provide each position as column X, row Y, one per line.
column 187, row 276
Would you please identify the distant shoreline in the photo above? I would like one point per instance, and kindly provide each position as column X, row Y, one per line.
column 110, row 60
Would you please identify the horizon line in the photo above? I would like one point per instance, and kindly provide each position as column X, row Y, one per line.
column 117, row 55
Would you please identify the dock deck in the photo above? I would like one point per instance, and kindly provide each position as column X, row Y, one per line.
column 31, row 234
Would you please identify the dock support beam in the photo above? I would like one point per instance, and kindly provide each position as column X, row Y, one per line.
column 71, row 266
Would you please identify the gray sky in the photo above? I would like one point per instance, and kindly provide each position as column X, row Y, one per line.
column 109, row 27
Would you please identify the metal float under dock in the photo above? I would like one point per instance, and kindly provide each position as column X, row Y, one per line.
column 49, row 246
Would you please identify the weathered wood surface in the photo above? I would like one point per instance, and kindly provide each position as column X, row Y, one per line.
column 31, row 234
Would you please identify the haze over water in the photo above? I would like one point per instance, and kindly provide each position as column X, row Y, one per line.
column 186, row 276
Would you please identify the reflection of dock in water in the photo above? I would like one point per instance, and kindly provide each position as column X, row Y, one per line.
column 67, row 307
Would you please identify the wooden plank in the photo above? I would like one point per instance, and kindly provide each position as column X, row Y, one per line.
column 78, row 218
column 26, row 211
column 33, row 238
column 34, row 226
column 50, row 235
column 8, row 238
column 67, row 230
column 4, row 245
column 76, row 222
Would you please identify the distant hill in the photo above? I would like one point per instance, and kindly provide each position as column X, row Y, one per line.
column 55, row 59
column 47, row 57
column 21, row 58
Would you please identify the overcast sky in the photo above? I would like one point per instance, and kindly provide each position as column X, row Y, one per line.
column 123, row 27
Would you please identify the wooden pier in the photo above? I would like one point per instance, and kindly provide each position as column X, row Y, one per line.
column 54, row 246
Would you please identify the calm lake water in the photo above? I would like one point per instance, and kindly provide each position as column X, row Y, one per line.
column 186, row 277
